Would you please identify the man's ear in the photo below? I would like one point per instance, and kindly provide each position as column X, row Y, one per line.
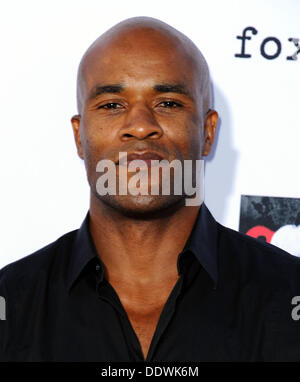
column 75, row 120
column 210, row 125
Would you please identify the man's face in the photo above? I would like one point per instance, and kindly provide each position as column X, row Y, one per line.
column 140, row 93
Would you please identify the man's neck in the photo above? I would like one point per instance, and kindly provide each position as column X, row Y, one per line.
column 140, row 252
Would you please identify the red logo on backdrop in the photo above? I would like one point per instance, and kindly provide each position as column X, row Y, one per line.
column 272, row 219
column 261, row 231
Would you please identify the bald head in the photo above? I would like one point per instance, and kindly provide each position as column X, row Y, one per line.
column 142, row 87
column 140, row 34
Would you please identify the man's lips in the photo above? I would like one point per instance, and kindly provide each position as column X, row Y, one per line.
column 145, row 156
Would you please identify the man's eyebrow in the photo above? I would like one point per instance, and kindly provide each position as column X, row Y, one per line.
column 172, row 88
column 102, row 89
column 118, row 88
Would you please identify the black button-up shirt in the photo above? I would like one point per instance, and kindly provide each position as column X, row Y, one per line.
column 232, row 302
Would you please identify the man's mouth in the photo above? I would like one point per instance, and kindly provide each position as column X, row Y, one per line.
column 147, row 157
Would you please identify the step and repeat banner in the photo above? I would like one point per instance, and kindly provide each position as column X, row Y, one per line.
column 252, row 175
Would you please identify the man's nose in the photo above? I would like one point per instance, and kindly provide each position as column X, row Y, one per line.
column 140, row 123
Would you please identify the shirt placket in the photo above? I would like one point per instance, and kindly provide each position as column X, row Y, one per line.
column 107, row 293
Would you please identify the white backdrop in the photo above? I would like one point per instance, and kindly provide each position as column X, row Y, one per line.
column 44, row 192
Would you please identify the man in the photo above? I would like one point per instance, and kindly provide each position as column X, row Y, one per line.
column 148, row 277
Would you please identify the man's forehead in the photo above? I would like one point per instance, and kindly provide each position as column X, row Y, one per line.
column 151, row 77
column 131, row 54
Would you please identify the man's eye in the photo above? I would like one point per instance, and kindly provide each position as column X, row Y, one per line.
column 170, row 104
column 110, row 105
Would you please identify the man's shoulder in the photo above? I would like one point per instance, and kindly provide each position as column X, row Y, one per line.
column 38, row 261
column 259, row 256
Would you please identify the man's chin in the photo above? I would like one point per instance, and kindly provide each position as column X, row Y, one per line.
column 143, row 206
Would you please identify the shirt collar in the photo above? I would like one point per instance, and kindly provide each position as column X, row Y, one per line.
column 202, row 242
column 83, row 252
